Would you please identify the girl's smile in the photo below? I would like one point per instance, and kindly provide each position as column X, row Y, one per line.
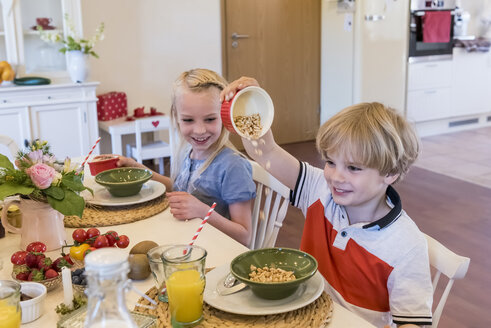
column 199, row 119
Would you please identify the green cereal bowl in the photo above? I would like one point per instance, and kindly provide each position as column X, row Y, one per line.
column 123, row 181
column 302, row 264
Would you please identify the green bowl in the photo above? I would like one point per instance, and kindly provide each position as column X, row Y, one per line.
column 123, row 181
column 302, row 264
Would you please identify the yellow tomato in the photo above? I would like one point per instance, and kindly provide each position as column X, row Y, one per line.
column 77, row 252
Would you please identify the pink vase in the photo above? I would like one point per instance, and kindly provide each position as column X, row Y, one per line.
column 40, row 222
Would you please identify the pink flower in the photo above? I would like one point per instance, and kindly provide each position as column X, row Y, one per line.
column 41, row 175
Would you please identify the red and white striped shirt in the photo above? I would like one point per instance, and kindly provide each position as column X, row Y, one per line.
column 378, row 270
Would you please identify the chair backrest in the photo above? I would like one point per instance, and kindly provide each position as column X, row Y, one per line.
column 150, row 124
column 9, row 148
column 451, row 265
column 270, row 207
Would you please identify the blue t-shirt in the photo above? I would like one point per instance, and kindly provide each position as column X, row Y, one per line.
column 227, row 180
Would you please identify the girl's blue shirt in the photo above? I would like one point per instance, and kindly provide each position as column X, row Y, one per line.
column 227, row 180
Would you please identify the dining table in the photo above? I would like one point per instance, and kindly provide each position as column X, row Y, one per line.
column 163, row 229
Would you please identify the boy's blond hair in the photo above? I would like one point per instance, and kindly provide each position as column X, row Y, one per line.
column 371, row 135
column 195, row 80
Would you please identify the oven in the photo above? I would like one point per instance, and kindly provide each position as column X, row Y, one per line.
column 420, row 11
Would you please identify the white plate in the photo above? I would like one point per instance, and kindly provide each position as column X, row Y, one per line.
column 150, row 190
column 245, row 302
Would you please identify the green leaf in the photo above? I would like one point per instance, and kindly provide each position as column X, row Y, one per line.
column 72, row 204
column 5, row 162
column 73, row 181
column 55, row 192
column 9, row 189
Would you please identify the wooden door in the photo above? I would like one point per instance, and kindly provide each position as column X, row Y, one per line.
column 281, row 49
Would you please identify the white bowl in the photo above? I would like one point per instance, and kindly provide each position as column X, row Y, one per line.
column 33, row 308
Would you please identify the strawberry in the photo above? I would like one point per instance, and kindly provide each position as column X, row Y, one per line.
column 22, row 276
column 31, row 260
column 21, row 268
column 50, row 273
column 35, row 275
column 60, row 263
column 44, row 263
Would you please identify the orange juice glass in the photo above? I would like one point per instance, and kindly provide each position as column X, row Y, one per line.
column 10, row 315
column 184, row 271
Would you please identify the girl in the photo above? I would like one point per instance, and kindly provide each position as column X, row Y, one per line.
column 205, row 166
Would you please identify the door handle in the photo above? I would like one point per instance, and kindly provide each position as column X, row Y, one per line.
column 374, row 18
column 236, row 36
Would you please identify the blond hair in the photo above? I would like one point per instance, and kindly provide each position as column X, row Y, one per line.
column 195, row 80
column 372, row 135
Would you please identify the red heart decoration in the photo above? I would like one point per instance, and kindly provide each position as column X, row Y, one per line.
column 155, row 123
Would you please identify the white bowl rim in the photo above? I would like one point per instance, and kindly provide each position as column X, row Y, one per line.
column 40, row 289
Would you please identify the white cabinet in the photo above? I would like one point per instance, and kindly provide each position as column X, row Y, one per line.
column 65, row 115
column 20, row 42
column 471, row 82
column 429, row 90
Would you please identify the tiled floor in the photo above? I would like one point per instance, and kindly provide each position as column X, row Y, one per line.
column 464, row 155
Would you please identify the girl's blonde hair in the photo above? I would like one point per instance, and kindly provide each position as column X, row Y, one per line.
column 372, row 135
column 195, row 80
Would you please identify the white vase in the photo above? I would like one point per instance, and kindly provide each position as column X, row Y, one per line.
column 78, row 66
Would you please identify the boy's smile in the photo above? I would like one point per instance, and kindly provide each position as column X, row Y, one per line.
column 361, row 190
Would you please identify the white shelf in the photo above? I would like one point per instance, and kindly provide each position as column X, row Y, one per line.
column 32, row 32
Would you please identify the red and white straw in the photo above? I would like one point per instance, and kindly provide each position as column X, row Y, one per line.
column 90, row 153
column 205, row 219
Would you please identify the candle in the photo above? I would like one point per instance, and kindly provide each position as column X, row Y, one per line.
column 66, row 275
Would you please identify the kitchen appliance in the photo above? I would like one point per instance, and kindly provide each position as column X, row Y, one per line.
column 365, row 48
column 421, row 11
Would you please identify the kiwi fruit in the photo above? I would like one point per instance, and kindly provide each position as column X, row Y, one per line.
column 139, row 267
column 143, row 247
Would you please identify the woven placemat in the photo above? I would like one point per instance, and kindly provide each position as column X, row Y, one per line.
column 102, row 216
column 316, row 314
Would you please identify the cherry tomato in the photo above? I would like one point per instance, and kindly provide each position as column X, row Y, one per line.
column 89, row 250
column 77, row 252
column 111, row 240
column 123, row 241
column 79, row 235
column 100, row 242
column 37, row 247
column 19, row 258
column 93, row 232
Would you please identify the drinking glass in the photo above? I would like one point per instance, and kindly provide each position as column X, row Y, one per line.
column 157, row 268
column 184, row 271
column 10, row 315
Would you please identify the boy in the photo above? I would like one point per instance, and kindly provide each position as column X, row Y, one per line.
column 373, row 256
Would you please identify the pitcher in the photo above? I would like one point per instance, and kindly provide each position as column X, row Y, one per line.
column 40, row 222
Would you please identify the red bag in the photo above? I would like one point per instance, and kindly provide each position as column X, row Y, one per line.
column 111, row 105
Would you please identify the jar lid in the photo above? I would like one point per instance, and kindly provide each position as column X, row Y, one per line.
column 107, row 261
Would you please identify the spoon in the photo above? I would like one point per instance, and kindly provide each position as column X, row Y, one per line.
column 228, row 285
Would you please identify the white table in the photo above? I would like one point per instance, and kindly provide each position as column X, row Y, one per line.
column 118, row 127
column 163, row 229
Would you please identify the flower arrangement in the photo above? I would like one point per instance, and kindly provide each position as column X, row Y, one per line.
column 72, row 42
column 40, row 177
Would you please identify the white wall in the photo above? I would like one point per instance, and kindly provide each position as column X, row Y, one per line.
column 149, row 43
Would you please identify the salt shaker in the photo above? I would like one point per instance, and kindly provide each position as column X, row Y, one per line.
column 106, row 270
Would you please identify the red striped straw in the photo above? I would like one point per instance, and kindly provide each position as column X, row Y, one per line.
column 212, row 208
column 90, row 153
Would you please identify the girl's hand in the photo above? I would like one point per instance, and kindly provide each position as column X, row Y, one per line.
column 231, row 89
column 127, row 162
column 185, row 206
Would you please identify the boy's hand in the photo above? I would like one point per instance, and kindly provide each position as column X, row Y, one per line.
column 185, row 206
column 230, row 90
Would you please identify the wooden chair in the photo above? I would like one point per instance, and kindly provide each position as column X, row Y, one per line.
column 270, row 207
column 8, row 147
column 158, row 149
column 451, row 265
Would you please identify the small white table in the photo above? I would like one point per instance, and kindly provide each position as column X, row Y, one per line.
column 120, row 126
